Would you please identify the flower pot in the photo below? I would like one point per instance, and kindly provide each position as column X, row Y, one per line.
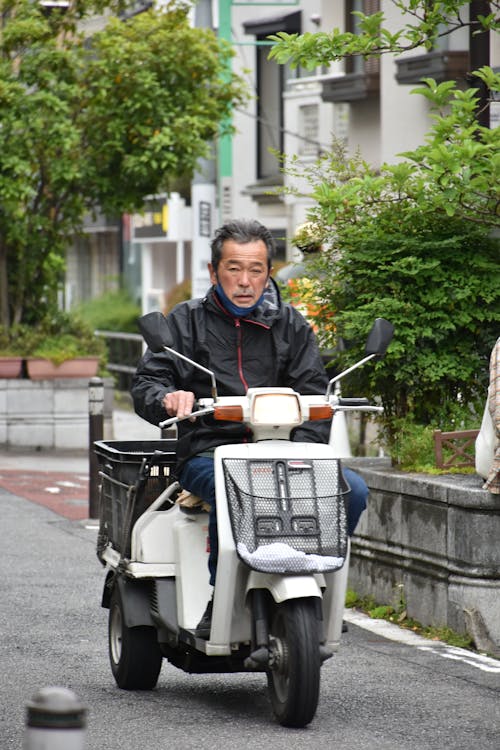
column 10, row 367
column 44, row 369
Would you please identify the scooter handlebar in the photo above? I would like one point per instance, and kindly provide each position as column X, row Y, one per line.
column 374, row 409
column 353, row 401
column 194, row 415
column 341, row 404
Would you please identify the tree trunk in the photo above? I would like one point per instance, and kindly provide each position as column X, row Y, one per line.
column 4, row 287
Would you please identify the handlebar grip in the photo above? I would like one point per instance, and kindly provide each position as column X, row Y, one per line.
column 353, row 401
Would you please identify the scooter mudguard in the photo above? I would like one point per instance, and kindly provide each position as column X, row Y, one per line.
column 282, row 588
column 134, row 597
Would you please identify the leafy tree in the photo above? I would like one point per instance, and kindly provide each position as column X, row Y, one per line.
column 417, row 243
column 99, row 122
column 427, row 21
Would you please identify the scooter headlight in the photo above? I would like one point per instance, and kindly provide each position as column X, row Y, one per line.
column 276, row 409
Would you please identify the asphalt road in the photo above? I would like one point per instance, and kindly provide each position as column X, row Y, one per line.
column 377, row 693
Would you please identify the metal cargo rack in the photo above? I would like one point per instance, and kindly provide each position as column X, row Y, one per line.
column 132, row 474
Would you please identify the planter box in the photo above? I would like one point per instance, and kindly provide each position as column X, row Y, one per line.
column 433, row 539
column 44, row 369
column 10, row 367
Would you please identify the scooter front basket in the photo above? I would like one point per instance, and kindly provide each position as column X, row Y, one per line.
column 288, row 516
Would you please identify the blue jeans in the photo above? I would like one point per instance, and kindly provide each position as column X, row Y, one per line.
column 198, row 476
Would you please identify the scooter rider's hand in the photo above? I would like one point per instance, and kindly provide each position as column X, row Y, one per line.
column 179, row 403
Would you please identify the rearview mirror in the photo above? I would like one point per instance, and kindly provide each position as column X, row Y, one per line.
column 155, row 331
column 379, row 337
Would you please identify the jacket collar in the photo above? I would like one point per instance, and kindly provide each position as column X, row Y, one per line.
column 266, row 313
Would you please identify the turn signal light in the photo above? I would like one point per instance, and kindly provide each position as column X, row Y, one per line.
column 229, row 413
column 324, row 411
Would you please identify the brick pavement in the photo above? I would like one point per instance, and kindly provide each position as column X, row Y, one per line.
column 60, row 480
column 65, row 493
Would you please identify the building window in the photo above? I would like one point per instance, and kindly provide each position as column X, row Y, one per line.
column 271, row 83
column 309, row 129
column 362, row 77
column 357, row 64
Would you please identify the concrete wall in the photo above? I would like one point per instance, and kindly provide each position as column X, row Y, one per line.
column 433, row 539
column 49, row 413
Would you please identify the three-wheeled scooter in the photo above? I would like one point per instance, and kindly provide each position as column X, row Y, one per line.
column 283, row 545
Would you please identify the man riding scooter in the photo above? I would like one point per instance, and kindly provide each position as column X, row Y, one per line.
column 245, row 334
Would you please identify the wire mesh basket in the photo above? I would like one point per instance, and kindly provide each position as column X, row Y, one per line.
column 279, row 507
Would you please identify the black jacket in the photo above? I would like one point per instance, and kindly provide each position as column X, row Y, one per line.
column 273, row 346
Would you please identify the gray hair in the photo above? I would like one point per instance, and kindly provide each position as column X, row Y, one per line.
column 242, row 231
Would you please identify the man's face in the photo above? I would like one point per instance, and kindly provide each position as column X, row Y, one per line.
column 242, row 271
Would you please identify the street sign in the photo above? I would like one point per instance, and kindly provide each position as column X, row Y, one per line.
column 153, row 221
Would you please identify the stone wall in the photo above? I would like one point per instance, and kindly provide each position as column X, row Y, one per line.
column 434, row 540
column 49, row 413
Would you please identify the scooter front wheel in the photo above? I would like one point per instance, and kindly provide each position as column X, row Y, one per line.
column 294, row 673
column 134, row 653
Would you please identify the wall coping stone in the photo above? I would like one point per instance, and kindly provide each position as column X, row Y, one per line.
column 462, row 490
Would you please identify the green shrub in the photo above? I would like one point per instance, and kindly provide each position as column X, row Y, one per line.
column 181, row 292
column 412, row 447
column 412, row 242
column 113, row 311
column 63, row 336
column 61, row 348
column 13, row 340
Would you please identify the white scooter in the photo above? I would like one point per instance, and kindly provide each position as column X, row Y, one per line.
column 283, row 546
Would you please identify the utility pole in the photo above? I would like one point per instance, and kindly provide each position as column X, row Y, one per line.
column 203, row 194
column 225, row 155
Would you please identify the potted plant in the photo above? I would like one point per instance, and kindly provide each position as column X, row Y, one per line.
column 63, row 346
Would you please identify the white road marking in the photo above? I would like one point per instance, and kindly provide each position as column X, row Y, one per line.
column 401, row 635
column 485, row 663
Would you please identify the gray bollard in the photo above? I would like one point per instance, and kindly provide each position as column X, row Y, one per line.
column 55, row 720
column 96, row 432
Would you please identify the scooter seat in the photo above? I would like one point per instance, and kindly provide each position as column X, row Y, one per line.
column 191, row 504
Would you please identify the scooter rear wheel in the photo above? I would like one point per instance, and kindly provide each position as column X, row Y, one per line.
column 134, row 653
column 294, row 674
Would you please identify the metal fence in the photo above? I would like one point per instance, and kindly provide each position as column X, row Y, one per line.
column 124, row 352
